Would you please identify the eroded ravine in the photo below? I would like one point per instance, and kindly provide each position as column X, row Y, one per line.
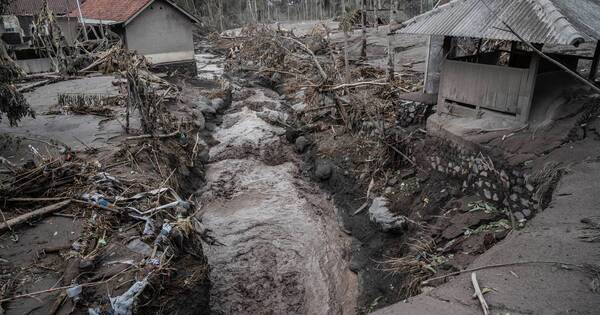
column 283, row 251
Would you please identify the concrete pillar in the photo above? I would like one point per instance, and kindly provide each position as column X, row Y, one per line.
column 435, row 57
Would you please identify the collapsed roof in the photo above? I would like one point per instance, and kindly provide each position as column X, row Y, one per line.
column 563, row 22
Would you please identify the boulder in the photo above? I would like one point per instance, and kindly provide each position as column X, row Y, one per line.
column 211, row 127
column 199, row 120
column 380, row 214
column 218, row 104
column 299, row 107
column 204, row 105
column 323, row 170
column 301, row 144
column 204, row 155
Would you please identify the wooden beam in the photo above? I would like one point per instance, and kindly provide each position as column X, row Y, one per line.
column 595, row 61
column 524, row 112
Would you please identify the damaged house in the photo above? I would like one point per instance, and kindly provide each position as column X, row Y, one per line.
column 17, row 30
column 158, row 29
column 479, row 68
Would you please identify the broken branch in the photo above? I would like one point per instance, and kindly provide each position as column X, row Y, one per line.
column 456, row 273
column 148, row 136
column 484, row 305
column 33, row 214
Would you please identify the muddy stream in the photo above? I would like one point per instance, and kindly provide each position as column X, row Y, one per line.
column 282, row 250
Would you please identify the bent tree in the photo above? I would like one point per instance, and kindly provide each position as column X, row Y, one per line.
column 12, row 102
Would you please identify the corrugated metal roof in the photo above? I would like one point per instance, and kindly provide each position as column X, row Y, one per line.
column 564, row 22
column 32, row 7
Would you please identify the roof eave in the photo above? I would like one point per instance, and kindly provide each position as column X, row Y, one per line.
column 184, row 12
column 566, row 33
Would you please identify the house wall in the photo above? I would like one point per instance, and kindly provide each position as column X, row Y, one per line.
column 162, row 34
column 476, row 86
column 69, row 27
column 37, row 65
column 26, row 21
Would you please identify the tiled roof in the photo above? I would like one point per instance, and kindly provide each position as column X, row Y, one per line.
column 538, row 21
column 118, row 10
column 31, row 7
column 112, row 10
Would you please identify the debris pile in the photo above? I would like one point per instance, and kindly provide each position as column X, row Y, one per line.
column 132, row 230
column 412, row 113
column 95, row 104
column 134, row 243
column 49, row 39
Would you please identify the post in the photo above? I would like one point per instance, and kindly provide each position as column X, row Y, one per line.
column 391, row 52
column 363, row 49
column 433, row 65
column 525, row 108
column 449, row 47
column 595, row 61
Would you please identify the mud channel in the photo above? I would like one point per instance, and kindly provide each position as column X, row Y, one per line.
column 282, row 251
column 287, row 243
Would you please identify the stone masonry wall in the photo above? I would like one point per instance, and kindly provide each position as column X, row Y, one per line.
column 491, row 179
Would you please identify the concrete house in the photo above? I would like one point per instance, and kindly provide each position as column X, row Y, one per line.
column 158, row 29
column 508, row 82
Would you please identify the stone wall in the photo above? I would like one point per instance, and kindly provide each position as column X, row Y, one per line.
column 490, row 178
column 411, row 113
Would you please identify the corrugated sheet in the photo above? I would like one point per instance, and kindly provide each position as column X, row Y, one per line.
column 539, row 21
column 583, row 14
column 32, row 7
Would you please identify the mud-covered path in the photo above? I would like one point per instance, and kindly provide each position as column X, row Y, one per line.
column 283, row 251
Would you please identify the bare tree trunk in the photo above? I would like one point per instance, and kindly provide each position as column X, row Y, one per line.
column 211, row 16
column 4, row 57
column 391, row 53
column 363, row 49
column 221, row 28
column 346, row 38
column 377, row 8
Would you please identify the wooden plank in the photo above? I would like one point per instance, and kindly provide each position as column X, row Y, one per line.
column 492, row 87
column 595, row 61
column 531, row 79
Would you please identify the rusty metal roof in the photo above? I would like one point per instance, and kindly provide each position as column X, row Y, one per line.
column 120, row 11
column 32, row 7
column 564, row 22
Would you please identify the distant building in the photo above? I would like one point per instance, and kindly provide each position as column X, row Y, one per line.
column 16, row 30
column 502, row 81
column 17, row 27
column 158, row 29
